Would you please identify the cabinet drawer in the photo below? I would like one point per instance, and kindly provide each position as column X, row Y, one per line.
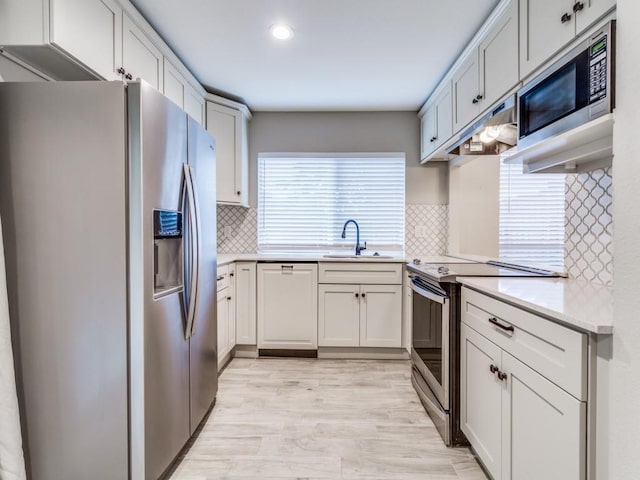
column 222, row 277
column 554, row 351
column 356, row 273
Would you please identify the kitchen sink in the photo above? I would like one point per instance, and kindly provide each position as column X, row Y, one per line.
column 358, row 257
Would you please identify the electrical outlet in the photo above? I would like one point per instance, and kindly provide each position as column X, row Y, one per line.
column 228, row 231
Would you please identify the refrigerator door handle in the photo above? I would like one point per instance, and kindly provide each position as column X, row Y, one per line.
column 198, row 246
column 192, row 272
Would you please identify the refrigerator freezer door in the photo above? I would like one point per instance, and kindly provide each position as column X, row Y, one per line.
column 63, row 208
column 203, row 349
column 158, row 136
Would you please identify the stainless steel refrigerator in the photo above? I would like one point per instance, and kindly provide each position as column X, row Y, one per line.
column 107, row 198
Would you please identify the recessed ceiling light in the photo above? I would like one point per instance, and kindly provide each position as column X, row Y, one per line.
column 281, row 31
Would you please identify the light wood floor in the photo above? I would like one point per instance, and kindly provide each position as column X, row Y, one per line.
column 321, row 419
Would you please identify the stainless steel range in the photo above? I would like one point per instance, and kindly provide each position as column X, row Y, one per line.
column 435, row 338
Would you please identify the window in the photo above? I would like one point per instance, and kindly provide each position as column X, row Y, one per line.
column 531, row 217
column 305, row 199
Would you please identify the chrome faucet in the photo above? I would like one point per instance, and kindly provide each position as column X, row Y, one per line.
column 344, row 235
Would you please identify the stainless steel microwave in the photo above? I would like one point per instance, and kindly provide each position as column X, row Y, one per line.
column 576, row 89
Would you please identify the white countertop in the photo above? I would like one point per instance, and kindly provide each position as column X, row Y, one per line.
column 226, row 258
column 578, row 304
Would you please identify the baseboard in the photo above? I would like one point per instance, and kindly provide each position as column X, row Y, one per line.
column 245, row 351
column 363, row 353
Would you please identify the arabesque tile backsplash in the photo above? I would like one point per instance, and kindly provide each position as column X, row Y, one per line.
column 588, row 228
column 429, row 239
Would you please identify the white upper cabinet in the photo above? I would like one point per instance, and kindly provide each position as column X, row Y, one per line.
column 428, row 131
column 543, row 31
column 437, row 122
column 174, row 84
column 229, row 126
column 90, row 31
column 194, row 104
column 140, row 57
column 548, row 25
column 498, row 58
column 466, row 92
column 588, row 11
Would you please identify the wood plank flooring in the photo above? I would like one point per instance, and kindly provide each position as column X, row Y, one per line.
column 285, row 419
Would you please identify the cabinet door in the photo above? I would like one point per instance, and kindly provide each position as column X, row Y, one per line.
column 381, row 316
column 465, row 92
column 338, row 315
column 194, row 104
column 542, row 32
column 498, row 57
column 544, row 428
column 174, row 84
column 591, row 11
column 140, row 57
column 90, row 31
column 223, row 325
column 288, row 306
column 428, row 132
column 246, row 303
column 224, row 124
column 232, row 307
column 480, row 399
column 444, row 116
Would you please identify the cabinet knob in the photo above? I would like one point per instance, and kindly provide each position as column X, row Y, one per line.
column 121, row 71
column 128, row 76
column 474, row 101
column 566, row 17
column 357, row 295
column 578, row 6
column 363, row 295
column 238, row 192
column 433, row 139
column 493, row 369
column 232, row 274
column 228, row 298
column 502, row 376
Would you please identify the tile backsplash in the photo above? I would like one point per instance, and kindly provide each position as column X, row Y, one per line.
column 243, row 223
column 425, row 229
column 589, row 226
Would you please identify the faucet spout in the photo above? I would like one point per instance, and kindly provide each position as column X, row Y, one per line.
column 344, row 235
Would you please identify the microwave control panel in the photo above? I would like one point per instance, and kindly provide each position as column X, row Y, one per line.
column 598, row 70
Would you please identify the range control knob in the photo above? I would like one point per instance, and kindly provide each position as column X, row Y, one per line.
column 416, row 261
column 443, row 270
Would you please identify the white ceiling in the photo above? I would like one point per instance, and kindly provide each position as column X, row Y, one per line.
column 345, row 54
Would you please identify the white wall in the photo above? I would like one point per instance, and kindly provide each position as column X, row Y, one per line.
column 474, row 207
column 349, row 132
column 624, row 405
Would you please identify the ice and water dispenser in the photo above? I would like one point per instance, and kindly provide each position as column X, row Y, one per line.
column 167, row 251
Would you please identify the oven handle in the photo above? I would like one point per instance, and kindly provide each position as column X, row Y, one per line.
column 436, row 297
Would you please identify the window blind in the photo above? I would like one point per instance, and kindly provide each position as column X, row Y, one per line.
column 531, row 217
column 305, row 199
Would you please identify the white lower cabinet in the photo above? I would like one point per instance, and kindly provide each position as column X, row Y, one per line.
column 522, row 425
column 288, row 306
column 245, row 279
column 226, row 312
column 352, row 313
column 381, row 316
column 339, row 315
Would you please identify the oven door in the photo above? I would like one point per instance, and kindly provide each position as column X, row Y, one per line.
column 430, row 336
